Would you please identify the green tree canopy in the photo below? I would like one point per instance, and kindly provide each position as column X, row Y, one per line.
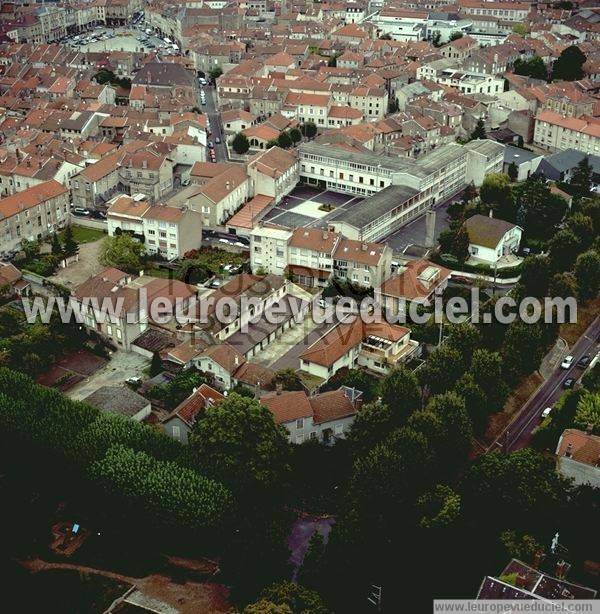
column 288, row 379
column 240, row 143
column 399, row 390
column 588, row 412
column 587, row 274
column 238, row 443
column 569, row 65
column 496, row 193
column 122, row 252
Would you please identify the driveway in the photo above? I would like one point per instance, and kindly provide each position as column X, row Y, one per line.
column 85, row 267
column 122, row 366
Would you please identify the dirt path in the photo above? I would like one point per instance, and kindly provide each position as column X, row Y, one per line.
column 185, row 597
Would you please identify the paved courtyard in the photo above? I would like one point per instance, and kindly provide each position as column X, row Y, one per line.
column 85, row 267
column 121, row 367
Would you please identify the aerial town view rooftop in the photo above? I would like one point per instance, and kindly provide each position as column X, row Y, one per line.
column 300, row 306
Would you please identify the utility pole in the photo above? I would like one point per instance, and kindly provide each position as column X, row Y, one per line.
column 376, row 597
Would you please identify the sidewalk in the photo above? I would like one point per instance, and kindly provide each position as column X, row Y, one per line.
column 552, row 359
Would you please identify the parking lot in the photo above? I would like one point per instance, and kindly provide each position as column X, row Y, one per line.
column 310, row 207
column 131, row 38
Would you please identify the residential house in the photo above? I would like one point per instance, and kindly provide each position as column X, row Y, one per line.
column 578, row 457
column 561, row 165
column 116, row 304
column 11, row 281
column 323, row 417
column 490, row 239
column 353, row 343
column 273, row 173
column 417, row 281
column 180, row 422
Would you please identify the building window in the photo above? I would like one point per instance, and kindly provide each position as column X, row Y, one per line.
column 176, row 430
column 300, row 423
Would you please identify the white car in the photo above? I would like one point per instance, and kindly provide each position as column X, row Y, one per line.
column 567, row 362
column 546, row 412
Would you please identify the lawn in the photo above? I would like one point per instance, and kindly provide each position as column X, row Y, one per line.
column 82, row 234
column 162, row 273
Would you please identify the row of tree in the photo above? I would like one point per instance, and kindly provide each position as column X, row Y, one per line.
column 285, row 140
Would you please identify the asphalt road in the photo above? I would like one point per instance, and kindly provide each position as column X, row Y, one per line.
column 210, row 108
column 520, row 430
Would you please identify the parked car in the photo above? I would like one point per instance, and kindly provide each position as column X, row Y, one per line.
column 546, row 412
column 567, row 362
column 584, row 361
column 210, row 144
column 99, row 215
column 569, row 383
column 217, row 140
column 80, row 211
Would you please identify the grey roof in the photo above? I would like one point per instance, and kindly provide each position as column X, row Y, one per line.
column 164, row 74
column 486, row 147
column 373, row 207
column 117, row 399
column 421, row 168
column 569, row 158
column 518, row 155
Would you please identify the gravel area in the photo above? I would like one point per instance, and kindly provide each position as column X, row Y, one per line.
column 87, row 266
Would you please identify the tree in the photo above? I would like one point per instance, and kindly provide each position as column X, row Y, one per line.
column 399, row 390
column 156, row 366
column 460, row 244
column 583, row 228
column 264, row 606
column 487, row 372
column 297, row 597
column 563, row 285
column 464, row 338
column 309, row 130
column 311, row 572
column 179, row 388
column 288, row 379
column 122, row 252
column 588, row 412
column 521, row 29
column 476, row 402
column 534, row 68
column 539, row 211
column 440, row 507
column 587, row 274
column 284, row 141
column 519, row 490
column 215, row 73
column 238, row 443
column 450, row 407
column 240, row 143
column 372, row 424
column 523, row 548
column 295, row 135
column 479, row 131
column 522, row 349
column 496, row 193
column 581, row 179
column 442, row 369
column 57, row 249
column 563, row 247
column 535, row 276
column 456, row 35
column 569, row 65
column 513, row 171
column 272, row 143
column 70, row 246
column 435, row 39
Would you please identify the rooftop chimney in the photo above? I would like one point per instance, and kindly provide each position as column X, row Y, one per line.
column 569, row 451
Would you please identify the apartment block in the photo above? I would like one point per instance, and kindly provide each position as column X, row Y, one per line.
column 33, row 214
column 557, row 133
